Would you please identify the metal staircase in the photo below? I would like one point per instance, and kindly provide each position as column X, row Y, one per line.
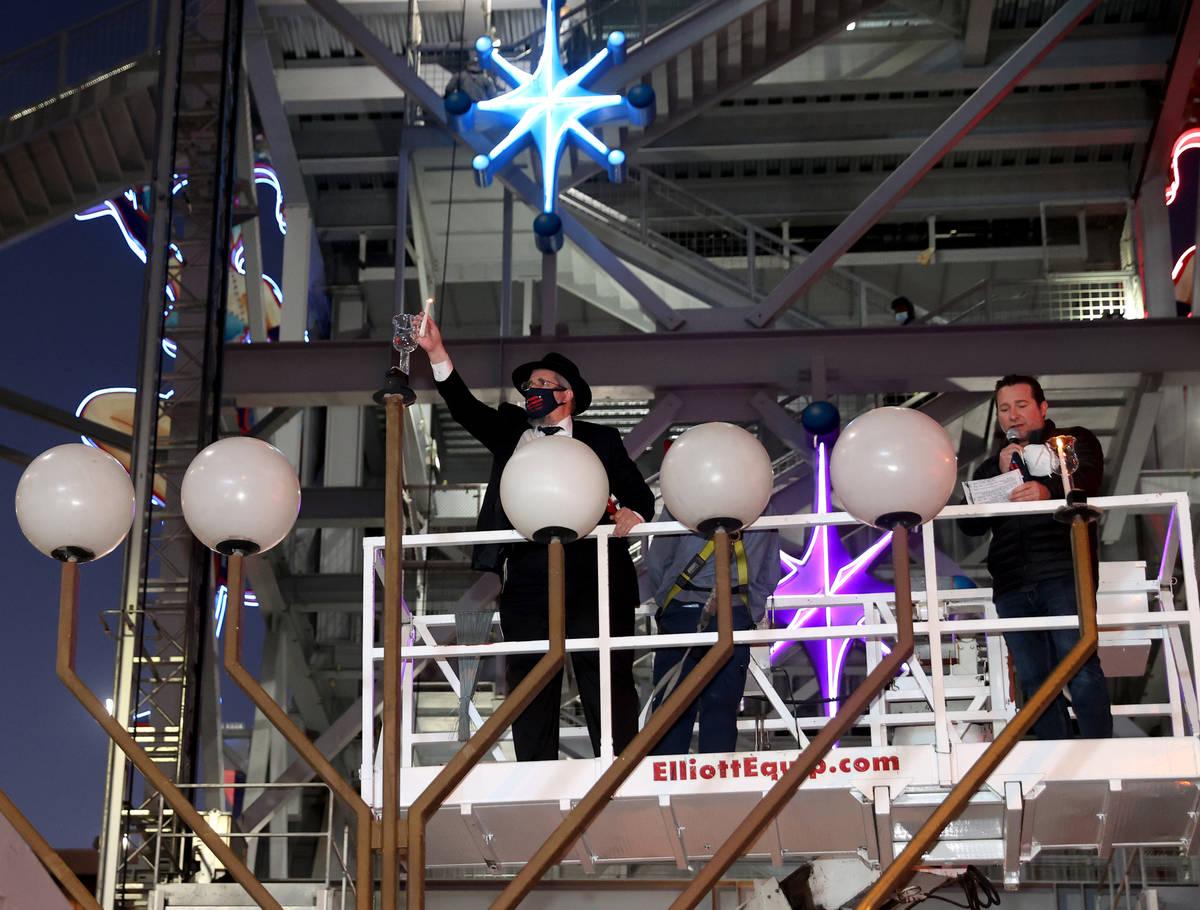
column 713, row 50
column 80, row 112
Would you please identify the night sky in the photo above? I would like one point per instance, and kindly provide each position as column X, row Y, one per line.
column 73, row 298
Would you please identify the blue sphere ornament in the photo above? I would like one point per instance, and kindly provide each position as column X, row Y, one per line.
column 548, row 232
column 641, row 96
column 820, row 418
column 458, row 103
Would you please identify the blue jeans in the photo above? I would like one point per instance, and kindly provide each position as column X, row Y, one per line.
column 717, row 706
column 1035, row 654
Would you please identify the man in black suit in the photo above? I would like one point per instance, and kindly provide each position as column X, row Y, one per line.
column 555, row 394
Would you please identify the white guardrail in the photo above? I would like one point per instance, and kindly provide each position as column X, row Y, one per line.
column 927, row 704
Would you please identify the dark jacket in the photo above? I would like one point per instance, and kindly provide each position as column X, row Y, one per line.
column 499, row 429
column 1030, row 548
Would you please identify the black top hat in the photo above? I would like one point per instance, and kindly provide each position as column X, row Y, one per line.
column 559, row 364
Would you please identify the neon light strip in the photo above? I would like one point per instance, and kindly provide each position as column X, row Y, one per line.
column 221, row 601
column 107, row 208
column 1181, row 263
column 264, row 173
column 275, row 288
column 237, row 257
column 860, row 563
column 1186, row 142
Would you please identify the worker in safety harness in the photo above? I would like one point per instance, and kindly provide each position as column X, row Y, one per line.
column 682, row 571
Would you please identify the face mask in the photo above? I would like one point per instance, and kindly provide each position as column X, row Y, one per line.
column 902, row 317
column 540, row 402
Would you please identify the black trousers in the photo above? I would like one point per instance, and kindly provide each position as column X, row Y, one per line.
column 523, row 617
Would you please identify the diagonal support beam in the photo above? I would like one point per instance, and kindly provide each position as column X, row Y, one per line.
column 39, row 410
column 340, row 734
column 783, row 424
column 256, row 58
column 1133, row 456
column 913, row 168
column 381, row 55
column 653, row 425
column 275, row 418
column 420, row 91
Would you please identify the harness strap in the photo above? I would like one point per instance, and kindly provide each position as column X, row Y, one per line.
column 697, row 562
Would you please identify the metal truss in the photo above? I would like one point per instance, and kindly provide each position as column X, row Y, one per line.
column 168, row 574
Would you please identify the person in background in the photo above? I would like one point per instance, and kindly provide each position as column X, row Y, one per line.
column 903, row 308
column 682, row 573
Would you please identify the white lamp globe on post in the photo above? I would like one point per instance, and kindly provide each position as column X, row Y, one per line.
column 716, row 479
column 716, row 475
column 893, row 467
column 554, row 487
column 240, row 496
column 75, row 503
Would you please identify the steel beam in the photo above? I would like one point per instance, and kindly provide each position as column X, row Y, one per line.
column 381, row 55
column 933, row 358
column 653, row 425
column 913, row 168
column 272, row 421
column 979, row 29
column 261, row 71
column 39, row 410
column 1132, row 457
column 1154, row 248
column 784, row 424
column 15, row 456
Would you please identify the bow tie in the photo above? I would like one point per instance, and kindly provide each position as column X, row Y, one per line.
column 549, row 431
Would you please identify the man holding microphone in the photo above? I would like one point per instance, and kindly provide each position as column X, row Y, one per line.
column 1029, row 556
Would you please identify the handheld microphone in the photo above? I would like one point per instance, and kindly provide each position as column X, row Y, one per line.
column 1017, row 462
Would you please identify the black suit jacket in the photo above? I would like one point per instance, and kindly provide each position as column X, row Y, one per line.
column 501, row 428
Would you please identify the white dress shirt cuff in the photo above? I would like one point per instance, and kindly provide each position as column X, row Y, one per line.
column 442, row 370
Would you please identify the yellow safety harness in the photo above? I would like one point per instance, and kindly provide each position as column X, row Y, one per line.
column 684, row 583
column 697, row 562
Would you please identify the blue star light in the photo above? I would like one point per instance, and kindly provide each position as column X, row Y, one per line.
column 549, row 108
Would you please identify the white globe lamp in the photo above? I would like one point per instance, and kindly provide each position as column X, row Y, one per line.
column 75, row 503
column 240, row 495
column 716, row 475
column 893, row 467
column 554, row 486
